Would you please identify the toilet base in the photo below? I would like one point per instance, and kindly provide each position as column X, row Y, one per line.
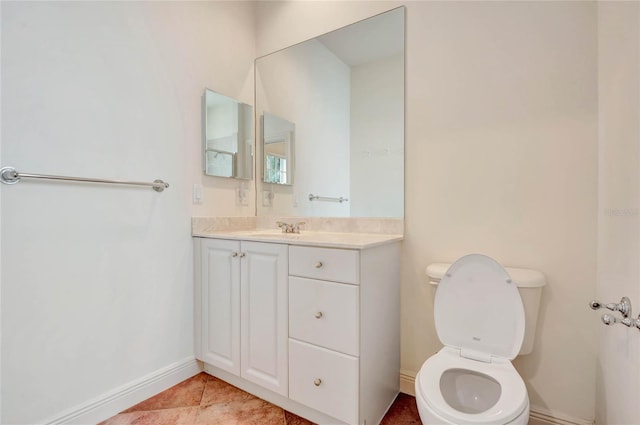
column 429, row 417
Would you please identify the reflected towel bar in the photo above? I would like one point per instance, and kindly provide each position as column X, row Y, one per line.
column 9, row 175
column 326, row 198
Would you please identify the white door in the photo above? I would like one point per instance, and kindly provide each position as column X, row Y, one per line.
column 264, row 272
column 220, row 297
column 618, row 368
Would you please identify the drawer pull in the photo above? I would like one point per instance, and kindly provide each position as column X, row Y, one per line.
column 317, row 382
column 319, row 265
column 234, row 254
column 318, row 315
column 242, row 254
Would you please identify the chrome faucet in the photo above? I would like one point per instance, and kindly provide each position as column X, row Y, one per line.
column 288, row 227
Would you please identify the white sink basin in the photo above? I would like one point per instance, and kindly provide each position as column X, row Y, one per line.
column 275, row 234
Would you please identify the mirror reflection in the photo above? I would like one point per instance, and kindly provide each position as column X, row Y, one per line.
column 345, row 93
column 277, row 141
column 228, row 133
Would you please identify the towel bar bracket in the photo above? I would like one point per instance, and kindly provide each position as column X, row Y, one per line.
column 9, row 175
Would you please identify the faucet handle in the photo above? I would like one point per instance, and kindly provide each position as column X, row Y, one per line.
column 624, row 306
column 609, row 319
column 284, row 226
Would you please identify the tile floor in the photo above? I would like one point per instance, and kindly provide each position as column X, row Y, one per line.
column 205, row 400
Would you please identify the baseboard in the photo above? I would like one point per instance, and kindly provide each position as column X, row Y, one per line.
column 537, row 415
column 117, row 400
column 407, row 383
column 542, row 416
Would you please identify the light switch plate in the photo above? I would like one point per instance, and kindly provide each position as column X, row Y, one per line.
column 197, row 193
column 266, row 198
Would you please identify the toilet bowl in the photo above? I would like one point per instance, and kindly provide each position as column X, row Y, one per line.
column 451, row 389
column 480, row 320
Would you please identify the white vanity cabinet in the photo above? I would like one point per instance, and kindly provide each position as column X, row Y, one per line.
column 314, row 329
column 242, row 297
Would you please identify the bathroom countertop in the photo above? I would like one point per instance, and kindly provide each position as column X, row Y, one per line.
column 308, row 238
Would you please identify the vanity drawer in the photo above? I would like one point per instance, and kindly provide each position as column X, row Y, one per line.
column 324, row 380
column 325, row 314
column 338, row 265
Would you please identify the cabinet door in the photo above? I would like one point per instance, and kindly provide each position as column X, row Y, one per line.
column 220, row 278
column 264, row 315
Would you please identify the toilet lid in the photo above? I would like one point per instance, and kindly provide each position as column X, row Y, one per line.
column 478, row 309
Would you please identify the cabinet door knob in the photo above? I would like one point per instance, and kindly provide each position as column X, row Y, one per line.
column 242, row 254
column 317, row 382
column 319, row 264
column 318, row 315
column 234, row 254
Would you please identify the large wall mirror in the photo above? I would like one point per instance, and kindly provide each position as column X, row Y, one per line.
column 343, row 95
column 227, row 136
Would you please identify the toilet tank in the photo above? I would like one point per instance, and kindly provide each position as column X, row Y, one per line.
column 530, row 284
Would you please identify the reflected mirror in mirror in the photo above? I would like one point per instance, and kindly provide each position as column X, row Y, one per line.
column 278, row 137
column 228, row 136
column 345, row 93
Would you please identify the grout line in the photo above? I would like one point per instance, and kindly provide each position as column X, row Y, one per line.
column 204, row 388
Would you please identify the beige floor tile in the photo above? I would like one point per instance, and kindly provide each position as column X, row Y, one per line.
column 178, row 416
column 187, row 393
column 249, row 412
column 217, row 391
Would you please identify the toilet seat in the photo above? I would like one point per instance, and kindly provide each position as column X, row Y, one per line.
column 478, row 309
column 513, row 398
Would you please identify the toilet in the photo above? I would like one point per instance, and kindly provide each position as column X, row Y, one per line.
column 480, row 319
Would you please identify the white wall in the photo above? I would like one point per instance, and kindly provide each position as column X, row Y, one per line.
column 618, row 370
column 97, row 280
column 309, row 86
column 501, row 158
column 377, row 138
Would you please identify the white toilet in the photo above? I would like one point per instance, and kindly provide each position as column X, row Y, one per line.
column 480, row 319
